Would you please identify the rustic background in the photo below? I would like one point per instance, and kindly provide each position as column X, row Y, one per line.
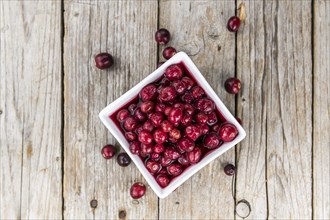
column 51, row 94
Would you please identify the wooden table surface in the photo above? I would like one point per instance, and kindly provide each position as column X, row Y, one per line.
column 51, row 94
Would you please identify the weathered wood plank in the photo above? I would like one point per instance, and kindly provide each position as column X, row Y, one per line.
column 126, row 30
column 274, row 63
column 321, row 123
column 30, row 102
column 199, row 29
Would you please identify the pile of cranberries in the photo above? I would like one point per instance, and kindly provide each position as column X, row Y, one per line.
column 173, row 124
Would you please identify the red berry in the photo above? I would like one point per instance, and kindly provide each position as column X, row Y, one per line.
column 146, row 148
column 189, row 109
column 195, row 155
column 153, row 166
column 130, row 123
column 187, row 97
column 204, row 128
column 130, row 136
column 137, row 190
column 179, row 86
column 145, row 137
column 154, row 156
column 175, row 134
column 162, row 36
column 175, row 116
column 156, row 118
column 211, row 140
column 233, row 85
column 139, row 115
column 193, row 132
column 108, row 151
column 169, row 52
column 229, row 169
column 147, row 106
column 122, row 115
column 149, row 92
column 201, row 118
column 148, row 126
column 212, row 118
column 167, row 94
column 135, row 147
column 159, row 148
column 174, row 169
column 103, row 60
column 233, row 24
column 183, row 160
column 188, row 81
column 173, row 72
column 160, row 108
column 172, row 153
column 186, row 144
column 186, row 120
column 164, row 161
column 228, row 132
column 159, row 136
column 166, row 126
column 123, row 159
column 197, row 92
column 205, row 105
column 162, row 180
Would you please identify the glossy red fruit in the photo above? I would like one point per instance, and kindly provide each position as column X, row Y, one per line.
column 205, row 105
column 183, row 160
column 147, row 106
column 175, row 116
column 159, row 148
column 169, row 52
column 147, row 148
column 139, row 115
column 229, row 169
column 211, row 140
column 173, row 72
column 195, row 155
column 130, row 136
column 186, row 120
column 145, row 137
column 188, row 81
column 166, row 126
column 137, row 190
column 189, row 109
column 154, row 156
column 162, row 180
column 156, row 118
column 123, row 159
column 175, row 133
column 135, row 147
column 130, row 123
column 228, row 132
column 197, row 92
column 103, row 60
column 162, row 36
column 172, row 153
column 186, row 144
column 233, row 24
column 212, row 118
column 167, row 94
column 122, row 115
column 149, row 92
column 201, row 118
column 204, row 128
column 164, row 161
column 108, row 151
column 216, row 127
column 179, row 86
column 187, row 98
column 160, row 107
column 148, row 126
column 167, row 110
column 159, row 136
column 233, row 85
column 153, row 166
column 193, row 132
column 175, row 169
column 138, row 129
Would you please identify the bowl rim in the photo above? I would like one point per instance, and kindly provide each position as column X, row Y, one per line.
column 134, row 91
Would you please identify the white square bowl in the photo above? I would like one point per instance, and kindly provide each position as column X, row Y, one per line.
column 134, row 92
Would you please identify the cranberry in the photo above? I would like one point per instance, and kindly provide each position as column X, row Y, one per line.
column 186, row 120
column 137, row 190
column 228, row 132
column 189, row 109
column 122, row 115
column 164, row 161
column 239, row 120
column 155, row 156
column 169, row 52
column 175, row 115
column 204, row 128
column 147, row 106
column 108, row 151
column 233, row 85
column 212, row 118
column 163, row 170
column 216, row 127
column 145, row 137
column 138, row 129
column 103, row 60
column 229, row 169
column 149, row 92
column 201, row 118
column 195, row 155
column 205, row 105
column 159, row 64
column 159, row 148
column 160, row 107
column 186, row 144
column 139, row 115
column 159, row 136
column 172, row 140
column 172, row 153
column 211, row 140
column 197, row 92
column 135, row 147
column 193, row 132
column 187, row 97
column 167, row 110
column 147, row 148
column 183, row 160
column 179, row 86
column 130, row 123
column 130, row 136
column 167, row 94
column 166, row 126
column 188, row 81
column 162, row 36
column 162, row 180
column 148, row 126
column 173, row 72
column 175, row 134
column 157, row 118
column 174, row 169
column 233, row 24
column 123, row 159
column 131, row 108
column 153, row 166
column 165, row 81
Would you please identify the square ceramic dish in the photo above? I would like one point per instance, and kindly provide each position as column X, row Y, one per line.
column 180, row 57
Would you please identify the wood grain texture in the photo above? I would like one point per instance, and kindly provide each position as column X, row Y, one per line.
column 30, row 102
column 275, row 63
column 126, row 30
column 321, row 123
column 199, row 29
